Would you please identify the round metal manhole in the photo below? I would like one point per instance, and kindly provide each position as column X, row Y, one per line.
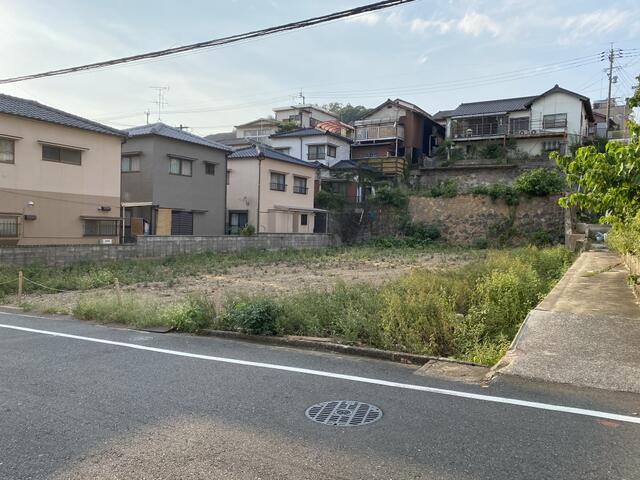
column 343, row 413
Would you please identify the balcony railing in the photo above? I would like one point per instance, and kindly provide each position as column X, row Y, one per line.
column 376, row 132
column 8, row 227
column 300, row 189
column 387, row 166
column 280, row 187
column 471, row 129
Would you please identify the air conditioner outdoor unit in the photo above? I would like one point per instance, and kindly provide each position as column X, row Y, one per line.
column 106, row 241
column 524, row 132
column 533, row 132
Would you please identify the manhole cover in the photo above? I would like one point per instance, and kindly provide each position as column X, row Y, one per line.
column 343, row 413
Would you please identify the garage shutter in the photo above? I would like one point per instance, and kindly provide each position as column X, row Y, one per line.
column 181, row 223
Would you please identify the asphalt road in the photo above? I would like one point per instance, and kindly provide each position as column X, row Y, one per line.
column 171, row 406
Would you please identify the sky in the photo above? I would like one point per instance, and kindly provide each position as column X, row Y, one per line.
column 434, row 53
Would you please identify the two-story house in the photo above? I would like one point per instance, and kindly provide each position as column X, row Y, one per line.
column 59, row 176
column 173, row 182
column 271, row 191
column 305, row 116
column 535, row 125
column 313, row 145
column 392, row 132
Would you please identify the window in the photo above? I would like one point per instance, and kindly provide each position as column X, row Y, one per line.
column 130, row 164
column 8, row 227
column 315, row 152
column 331, row 151
column 519, row 124
column 300, row 185
column 557, row 120
column 209, row 168
column 101, row 228
column 61, row 155
column 304, row 219
column 551, row 145
column 180, row 166
column 7, row 150
column 277, row 182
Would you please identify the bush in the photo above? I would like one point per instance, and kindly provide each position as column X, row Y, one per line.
column 624, row 237
column 248, row 230
column 447, row 189
column 539, row 182
column 328, row 200
column 498, row 190
column 388, row 195
column 416, row 317
column 251, row 315
column 194, row 315
column 421, row 231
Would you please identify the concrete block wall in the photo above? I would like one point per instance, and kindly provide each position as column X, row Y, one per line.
column 158, row 247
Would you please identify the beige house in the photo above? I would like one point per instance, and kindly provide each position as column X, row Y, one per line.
column 59, row 176
column 271, row 191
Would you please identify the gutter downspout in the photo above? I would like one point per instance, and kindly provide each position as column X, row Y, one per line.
column 260, row 156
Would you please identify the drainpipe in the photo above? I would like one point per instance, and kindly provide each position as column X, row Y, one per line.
column 260, row 157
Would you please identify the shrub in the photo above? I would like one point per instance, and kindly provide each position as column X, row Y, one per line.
column 417, row 317
column 251, row 315
column 328, row 200
column 388, row 195
column 480, row 243
column 421, row 231
column 624, row 237
column 493, row 151
column 539, row 182
column 447, row 189
column 248, row 230
column 496, row 191
column 193, row 315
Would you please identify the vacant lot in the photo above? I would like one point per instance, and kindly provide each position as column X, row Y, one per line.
column 220, row 276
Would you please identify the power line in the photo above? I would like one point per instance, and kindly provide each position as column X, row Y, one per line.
column 215, row 42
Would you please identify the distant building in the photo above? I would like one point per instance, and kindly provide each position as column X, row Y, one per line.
column 59, row 176
column 173, row 182
column 313, row 144
column 304, row 116
column 393, row 132
column 270, row 190
column 551, row 121
column 619, row 117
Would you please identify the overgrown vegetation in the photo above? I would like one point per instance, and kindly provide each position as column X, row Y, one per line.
column 470, row 313
column 447, row 188
column 607, row 183
column 539, row 182
column 193, row 315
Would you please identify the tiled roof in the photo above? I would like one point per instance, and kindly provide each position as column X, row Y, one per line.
column 252, row 152
column 175, row 133
column 442, row 114
column 30, row 109
column 308, row 132
column 492, row 106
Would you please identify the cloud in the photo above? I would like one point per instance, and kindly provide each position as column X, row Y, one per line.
column 419, row 25
column 423, row 59
column 370, row 19
column 475, row 24
column 598, row 21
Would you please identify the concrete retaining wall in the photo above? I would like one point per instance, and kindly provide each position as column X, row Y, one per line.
column 157, row 247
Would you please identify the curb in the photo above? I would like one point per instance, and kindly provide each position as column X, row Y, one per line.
column 307, row 343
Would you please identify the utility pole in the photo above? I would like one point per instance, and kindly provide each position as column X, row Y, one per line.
column 610, row 75
column 300, row 95
column 147, row 113
column 161, row 102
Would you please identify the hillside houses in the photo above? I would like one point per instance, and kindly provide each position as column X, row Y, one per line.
column 66, row 179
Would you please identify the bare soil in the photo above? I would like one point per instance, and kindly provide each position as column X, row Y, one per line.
column 275, row 279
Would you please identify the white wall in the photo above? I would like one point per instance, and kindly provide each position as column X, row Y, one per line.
column 298, row 147
column 560, row 103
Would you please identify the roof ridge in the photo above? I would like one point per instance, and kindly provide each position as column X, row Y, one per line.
column 62, row 112
column 500, row 100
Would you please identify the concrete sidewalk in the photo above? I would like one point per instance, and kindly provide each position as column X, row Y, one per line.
column 586, row 332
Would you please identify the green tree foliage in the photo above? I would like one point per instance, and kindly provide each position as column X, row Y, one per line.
column 347, row 113
column 287, row 126
column 539, row 182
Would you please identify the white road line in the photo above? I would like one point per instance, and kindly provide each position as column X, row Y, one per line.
column 340, row 376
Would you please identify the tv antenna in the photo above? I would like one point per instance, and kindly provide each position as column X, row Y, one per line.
column 160, row 102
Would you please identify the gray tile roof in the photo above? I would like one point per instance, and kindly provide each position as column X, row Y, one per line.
column 308, row 132
column 442, row 114
column 175, row 133
column 22, row 107
column 492, row 106
column 252, row 152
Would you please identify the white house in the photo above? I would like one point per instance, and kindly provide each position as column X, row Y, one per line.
column 551, row 121
column 305, row 116
column 313, row 145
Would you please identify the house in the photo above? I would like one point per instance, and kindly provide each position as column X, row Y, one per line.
column 313, row 144
column 247, row 134
column 336, row 126
column 270, row 190
column 534, row 125
column 394, row 131
column 304, row 116
column 619, row 116
column 173, row 182
column 59, row 176
column 349, row 180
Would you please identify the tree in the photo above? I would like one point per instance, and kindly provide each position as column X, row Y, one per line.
column 347, row 113
column 287, row 126
column 607, row 183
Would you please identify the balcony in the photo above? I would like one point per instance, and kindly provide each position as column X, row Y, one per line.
column 386, row 166
column 379, row 132
column 476, row 128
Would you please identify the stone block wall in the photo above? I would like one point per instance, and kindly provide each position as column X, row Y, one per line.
column 158, row 247
column 467, row 177
column 465, row 219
